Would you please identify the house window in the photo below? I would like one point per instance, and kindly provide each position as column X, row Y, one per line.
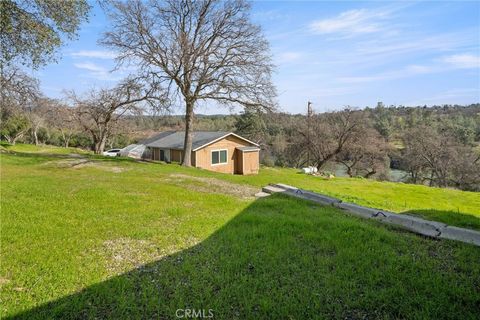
column 219, row 157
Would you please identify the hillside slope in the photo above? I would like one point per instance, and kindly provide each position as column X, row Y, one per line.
column 454, row 207
column 85, row 237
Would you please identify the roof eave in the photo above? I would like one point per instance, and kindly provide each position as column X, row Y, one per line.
column 223, row 137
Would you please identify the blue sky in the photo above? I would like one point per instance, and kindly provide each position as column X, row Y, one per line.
column 331, row 53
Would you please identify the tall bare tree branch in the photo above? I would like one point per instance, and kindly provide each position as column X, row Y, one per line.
column 99, row 111
column 201, row 50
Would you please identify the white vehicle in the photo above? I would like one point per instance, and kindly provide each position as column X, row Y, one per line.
column 111, row 153
column 310, row 170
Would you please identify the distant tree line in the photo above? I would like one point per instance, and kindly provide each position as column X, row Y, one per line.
column 437, row 146
column 196, row 51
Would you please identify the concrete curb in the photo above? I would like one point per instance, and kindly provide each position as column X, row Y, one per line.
column 461, row 234
column 432, row 229
column 261, row 194
column 307, row 194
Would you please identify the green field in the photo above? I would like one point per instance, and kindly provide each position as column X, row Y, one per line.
column 87, row 237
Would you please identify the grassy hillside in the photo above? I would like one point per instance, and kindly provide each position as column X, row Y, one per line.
column 114, row 238
column 451, row 206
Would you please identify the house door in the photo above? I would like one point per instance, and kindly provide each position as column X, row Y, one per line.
column 164, row 155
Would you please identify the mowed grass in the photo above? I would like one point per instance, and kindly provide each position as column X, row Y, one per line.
column 43, row 149
column 119, row 239
column 454, row 207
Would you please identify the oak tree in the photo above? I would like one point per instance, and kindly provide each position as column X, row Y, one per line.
column 100, row 110
column 32, row 31
column 200, row 50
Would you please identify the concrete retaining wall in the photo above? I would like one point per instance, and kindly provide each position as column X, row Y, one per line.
column 417, row 225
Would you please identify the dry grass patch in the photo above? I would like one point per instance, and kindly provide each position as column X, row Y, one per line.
column 3, row 281
column 79, row 163
column 125, row 254
column 213, row 185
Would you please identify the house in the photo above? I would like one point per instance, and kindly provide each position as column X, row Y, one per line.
column 224, row 152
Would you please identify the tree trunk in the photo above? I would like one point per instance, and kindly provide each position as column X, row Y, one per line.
column 14, row 139
column 35, row 136
column 431, row 179
column 100, row 145
column 187, row 146
column 324, row 161
column 370, row 173
column 65, row 143
column 349, row 172
column 414, row 177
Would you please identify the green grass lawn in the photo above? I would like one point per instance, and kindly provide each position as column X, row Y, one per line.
column 43, row 149
column 454, row 207
column 118, row 239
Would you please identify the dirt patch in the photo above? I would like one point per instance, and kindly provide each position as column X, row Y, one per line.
column 98, row 165
column 67, row 163
column 213, row 185
column 79, row 163
column 125, row 254
column 3, row 281
column 5, row 150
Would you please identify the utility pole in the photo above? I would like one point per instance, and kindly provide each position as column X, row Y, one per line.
column 309, row 115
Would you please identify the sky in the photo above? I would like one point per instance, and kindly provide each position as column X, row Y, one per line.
column 334, row 54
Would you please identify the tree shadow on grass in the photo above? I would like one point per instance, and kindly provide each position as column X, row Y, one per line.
column 450, row 217
column 285, row 258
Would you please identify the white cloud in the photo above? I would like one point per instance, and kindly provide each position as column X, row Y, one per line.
column 459, row 61
column 90, row 67
column 97, row 72
column 449, row 96
column 351, row 22
column 418, row 69
column 407, row 71
column 98, row 54
column 463, row 61
column 412, row 43
column 288, row 56
column 269, row 15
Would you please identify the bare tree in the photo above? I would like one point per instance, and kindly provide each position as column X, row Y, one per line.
column 36, row 122
column 99, row 111
column 62, row 118
column 466, row 172
column 201, row 50
column 17, row 89
column 436, row 157
column 18, row 95
column 366, row 154
column 328, row 134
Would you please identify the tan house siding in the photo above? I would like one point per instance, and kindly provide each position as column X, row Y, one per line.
column 175, row 155
column 239, row 162
column 155, row 154
column 204, row 155
column 250, row 162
